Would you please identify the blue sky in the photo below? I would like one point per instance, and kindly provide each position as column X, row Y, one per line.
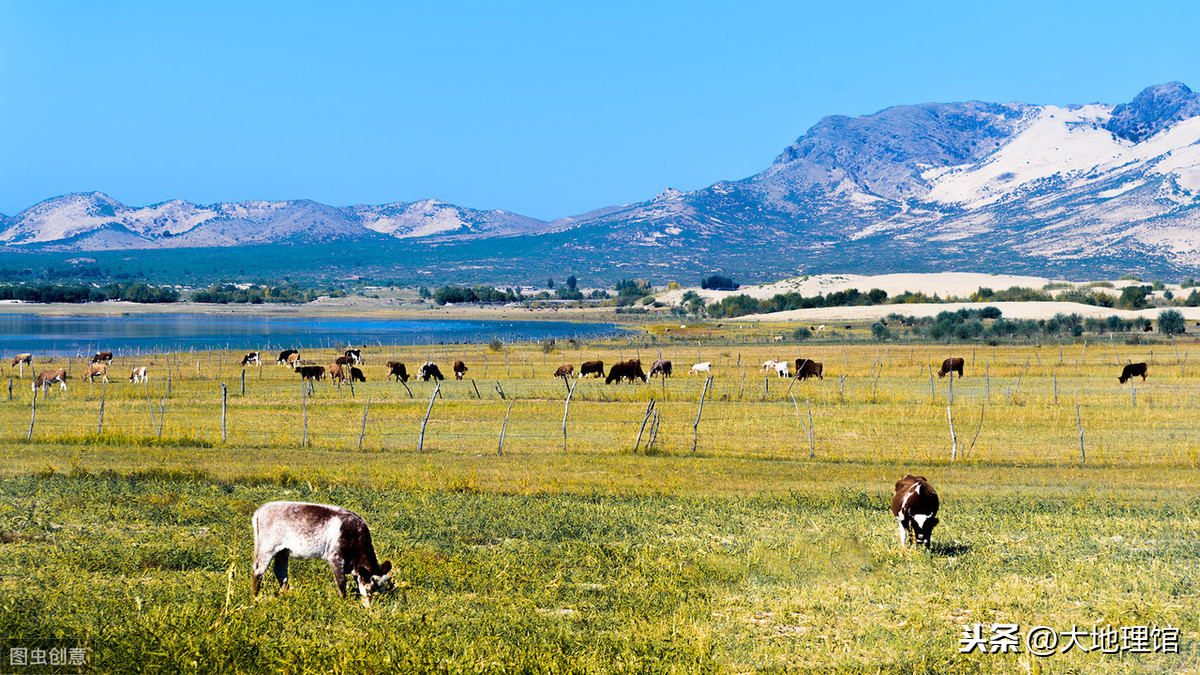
column 545, row 109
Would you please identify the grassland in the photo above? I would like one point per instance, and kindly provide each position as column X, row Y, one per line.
column 759, row 550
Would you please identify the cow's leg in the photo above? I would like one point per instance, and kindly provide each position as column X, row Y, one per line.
column 903, row 532
column 262, row 559
column 281, row 568
column 339, row 573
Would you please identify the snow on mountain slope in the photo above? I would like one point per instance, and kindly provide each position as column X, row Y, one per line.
column 1070, row 146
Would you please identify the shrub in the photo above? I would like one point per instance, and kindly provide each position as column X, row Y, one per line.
column 880, row 331
column 1171, row 322
column 802, row 333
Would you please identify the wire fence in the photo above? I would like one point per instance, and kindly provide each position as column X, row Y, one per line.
column 1016, row 403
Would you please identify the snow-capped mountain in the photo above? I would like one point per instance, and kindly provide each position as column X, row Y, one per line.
column 95, row 221
column 1008, row 186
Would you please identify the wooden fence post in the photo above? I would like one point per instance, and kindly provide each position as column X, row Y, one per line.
column 243, row 381
column 567, row 409
column 103, row 396
column 953, row 436
column 304, row 410
column 224, row 402
column 1079, row 421
column 977, row 430
column 32, row 414
column 421, row 438
column 363, row 431
column 699, row 412
column 504, row 430
column 649, row 412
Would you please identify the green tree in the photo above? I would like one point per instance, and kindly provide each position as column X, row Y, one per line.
column 1171, row 322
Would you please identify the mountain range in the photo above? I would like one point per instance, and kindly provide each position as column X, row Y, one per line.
column 1004, row 187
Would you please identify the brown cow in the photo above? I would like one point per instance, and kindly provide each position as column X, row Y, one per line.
column 564, row 371
column 806, row 368
column 49, row 377
column 22, row 359
column 336, row 374
column 459, row 369
column 102, row 356
column 293, row 360
column 625, row 370
column 343, row 360
column 953, row 364
column 95, row 369
column 915, row 506
column 591, row 368
column 660, row 367
column 397, row 370
column 1132, row 370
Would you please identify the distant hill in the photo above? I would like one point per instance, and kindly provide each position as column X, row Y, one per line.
column 1054, row 190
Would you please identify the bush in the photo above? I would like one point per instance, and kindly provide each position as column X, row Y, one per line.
column 717, row 282
column 1171, row 322
column 802, row 333
column 880, row 331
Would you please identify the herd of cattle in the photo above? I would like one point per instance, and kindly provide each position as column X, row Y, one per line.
column 345, row 369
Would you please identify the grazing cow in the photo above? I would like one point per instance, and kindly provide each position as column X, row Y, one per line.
column 251, row 358
column 49, row 377
column 337, row 535
column 311, row 372
column 768, row 365
column 777, row 338
column 459, row 369
column 781, row 369
column 660, row 367
column 139, row 374
column 564, row 371
column 953, row 364
column 356, row 375
column 21, row 360
column 95, row 369
column 336, row 374
column 396, row 369
column 625, row 370
column 286, row 357
column 343, row 360
column 105, row 357
column 355, row 356
column 1132, row 370
column 293, row 361
column 806, row 368
column 591, row 368
column 915, row 506
column 705, row 367
column 429, row 370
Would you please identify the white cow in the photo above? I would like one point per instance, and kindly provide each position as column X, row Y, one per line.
column 705, row 367
column 781, row 368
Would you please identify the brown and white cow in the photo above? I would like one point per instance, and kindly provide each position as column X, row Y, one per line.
column 102, row 357
column 95, row 369
column 953, row 364
column 139, row 374
column 251, row 358
column 397, row 370
column 334, row 534
column 48, row 377
column 285, row 357
column 806, row 368
column 591, row 368
column 293, row 360
column 21, row 360
column 564, row 371
column 1132, row 370
column 660, row 367
column 915, row 507
column 459, row 369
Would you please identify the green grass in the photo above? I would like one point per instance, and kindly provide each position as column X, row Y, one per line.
column 745, row 556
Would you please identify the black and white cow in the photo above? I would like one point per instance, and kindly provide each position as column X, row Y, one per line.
column 337, row 535
column 915, row 506
column 355, row 356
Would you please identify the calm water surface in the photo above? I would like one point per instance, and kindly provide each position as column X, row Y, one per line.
column 69, row 336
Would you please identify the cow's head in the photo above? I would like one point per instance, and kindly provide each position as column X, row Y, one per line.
column 921, row 526
column 369, row 584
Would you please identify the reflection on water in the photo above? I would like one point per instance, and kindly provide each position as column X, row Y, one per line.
column 69, row 336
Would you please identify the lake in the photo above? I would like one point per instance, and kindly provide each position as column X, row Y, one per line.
column 71, row 336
